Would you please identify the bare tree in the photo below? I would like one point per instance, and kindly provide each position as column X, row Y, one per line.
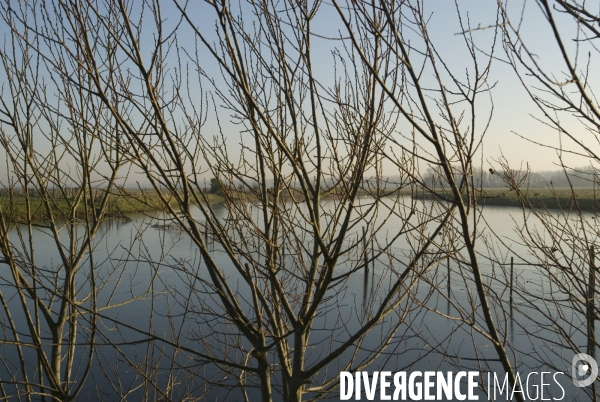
column 449, row 145
column 561, row 242
column 59, row 269
column 300, row 155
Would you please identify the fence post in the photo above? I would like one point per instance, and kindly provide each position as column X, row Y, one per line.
column 591, row 348
column 372, row 264
column 448, row 279
column 366, row 255
column 512, row 275
column 366, row 267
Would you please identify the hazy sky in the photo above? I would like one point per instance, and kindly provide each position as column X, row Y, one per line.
column 513, row 109
column 514, row 112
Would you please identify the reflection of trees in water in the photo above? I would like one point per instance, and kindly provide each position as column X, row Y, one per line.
column 269, row 301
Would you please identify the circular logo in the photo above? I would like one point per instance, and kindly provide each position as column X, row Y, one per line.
column 583, row 366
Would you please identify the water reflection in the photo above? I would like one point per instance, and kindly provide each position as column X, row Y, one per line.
column 166, row 278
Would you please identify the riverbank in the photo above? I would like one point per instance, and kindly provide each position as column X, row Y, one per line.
column 586, row 199
column 22, row 208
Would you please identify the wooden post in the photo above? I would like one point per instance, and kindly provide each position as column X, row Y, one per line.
column 366, row 267
column 591, row 348
column 448, row 277
column 366, row 256
column 510, row 299
column 372, row 264
column 511, row 280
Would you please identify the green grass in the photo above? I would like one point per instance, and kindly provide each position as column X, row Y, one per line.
column 586, row 198
column 119, row 206
column 20, row 208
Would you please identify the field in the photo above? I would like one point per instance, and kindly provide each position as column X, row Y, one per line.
column 584, row 198
column 20, row 207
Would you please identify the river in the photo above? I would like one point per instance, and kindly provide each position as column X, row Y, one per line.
column 157, row 272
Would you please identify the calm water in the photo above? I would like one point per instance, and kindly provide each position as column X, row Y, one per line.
column 139, row 261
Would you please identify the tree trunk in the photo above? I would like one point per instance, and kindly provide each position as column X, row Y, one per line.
column 264, row 372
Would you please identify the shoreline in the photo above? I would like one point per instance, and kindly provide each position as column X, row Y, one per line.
column 584, row 199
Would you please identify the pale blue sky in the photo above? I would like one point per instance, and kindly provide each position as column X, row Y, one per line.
column 512, row 107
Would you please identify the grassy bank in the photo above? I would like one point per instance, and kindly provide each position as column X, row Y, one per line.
column 586, row 199
column 20, row 208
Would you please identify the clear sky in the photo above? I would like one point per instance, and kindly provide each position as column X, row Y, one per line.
column 514, row 112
